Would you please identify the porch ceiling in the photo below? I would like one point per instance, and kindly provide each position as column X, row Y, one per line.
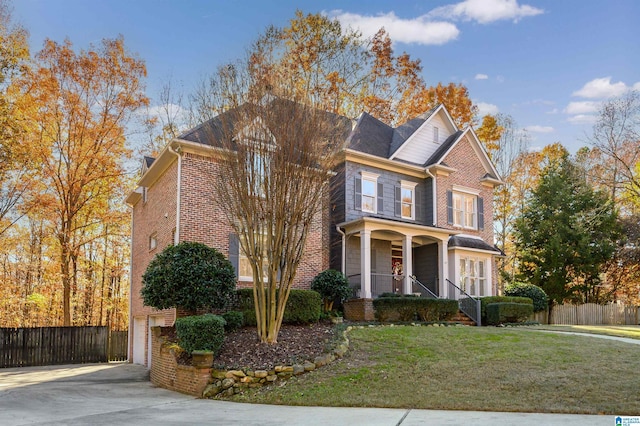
column 385, row 229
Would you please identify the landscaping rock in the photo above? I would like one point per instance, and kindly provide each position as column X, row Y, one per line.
column 261, row 373
column 298, row 369
column 211, row 390
column 227, row 383
column 309, row 366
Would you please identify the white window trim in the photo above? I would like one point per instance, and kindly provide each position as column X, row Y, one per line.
column 371, row 177
column 464, row 196
column 466, row 286
column 466, row 190
column 153, row 241
column 404, row 184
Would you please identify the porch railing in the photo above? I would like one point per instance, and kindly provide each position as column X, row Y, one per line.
column 380, row 283
column 418, row 287
column 468, row 304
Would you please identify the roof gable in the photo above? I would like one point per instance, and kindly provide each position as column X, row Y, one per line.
column 420, row 142
column 438, row 158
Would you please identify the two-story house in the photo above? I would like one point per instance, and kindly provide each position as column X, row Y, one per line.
column 412, row 208
column 408, row 201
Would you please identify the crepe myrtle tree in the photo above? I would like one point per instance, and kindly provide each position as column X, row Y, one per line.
column 275, row 148
column 189, row 276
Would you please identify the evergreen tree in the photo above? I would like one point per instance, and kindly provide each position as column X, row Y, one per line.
column 566, row 233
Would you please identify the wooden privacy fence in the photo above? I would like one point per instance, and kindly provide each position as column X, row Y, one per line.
column 593, row 314
column 22, row 347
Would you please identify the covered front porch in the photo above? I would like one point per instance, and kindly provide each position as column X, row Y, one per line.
column 385, row 256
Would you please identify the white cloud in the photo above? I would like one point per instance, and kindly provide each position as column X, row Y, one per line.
column 600, row 88
column 584, row 107
column 481, row 77
column 553, row 111
column 636, row 86
column 486, row 11
column 485, row 108
column 420, row 30
column 539, row 129
column 582, row 119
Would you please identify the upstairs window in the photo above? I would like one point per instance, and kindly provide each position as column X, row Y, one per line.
column 258, row 166
column 153, row 241
column 465, row 209
column 406, row 200
column 436, row 136
column 368, row 193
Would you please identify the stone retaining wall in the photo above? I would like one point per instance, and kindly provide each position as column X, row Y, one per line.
column 203, row 381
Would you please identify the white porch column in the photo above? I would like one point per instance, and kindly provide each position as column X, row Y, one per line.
column 407, row 264
column 365, row 264
column 443, row 268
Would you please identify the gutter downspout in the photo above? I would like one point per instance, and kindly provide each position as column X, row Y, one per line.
column 129, row 337
column 176, row 237
column 434, row 196
column 343, row 263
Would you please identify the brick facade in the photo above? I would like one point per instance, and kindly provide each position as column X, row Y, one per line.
column 469, row 172
column 201, row 220
column 168, row 374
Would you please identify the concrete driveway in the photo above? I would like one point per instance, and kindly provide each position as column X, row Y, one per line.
column 120, row 394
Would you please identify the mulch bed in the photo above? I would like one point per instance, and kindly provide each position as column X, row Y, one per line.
column 296, row 343
column 242, row 348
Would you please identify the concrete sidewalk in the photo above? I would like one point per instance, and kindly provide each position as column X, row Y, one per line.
column 108, row 394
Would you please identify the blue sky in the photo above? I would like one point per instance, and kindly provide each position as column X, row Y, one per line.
column 549, row 64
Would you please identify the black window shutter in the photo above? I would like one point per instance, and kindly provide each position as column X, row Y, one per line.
column 450, row 207
column 358, row 194
column 234, row 251
column 480, row 214
column 417, row 199
column 380, row 198
column 398, row 201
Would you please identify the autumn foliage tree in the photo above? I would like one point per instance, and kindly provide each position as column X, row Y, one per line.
column 81, row 103
column 16, row 165
column 348, row 73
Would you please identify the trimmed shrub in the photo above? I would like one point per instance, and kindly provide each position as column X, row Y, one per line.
column 535, row 293
column 498, row 313
column 303, row 307
column 437, row 309
column 234, row 319
column 200, row 332
column 189, row 276
column 388, row 294
column 387, row 308
column 484, row 301
column 395, row 308
column 332, row 285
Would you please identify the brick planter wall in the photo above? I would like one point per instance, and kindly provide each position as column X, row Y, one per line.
column 166, row 373
column 359, row 310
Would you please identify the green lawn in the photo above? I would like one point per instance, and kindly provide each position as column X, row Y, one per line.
column 630, row 331
column 471, row 368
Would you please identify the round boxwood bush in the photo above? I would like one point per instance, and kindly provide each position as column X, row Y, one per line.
column 234, row 319
column 189, row 276
column 201, row 332
column 332, row 285
column 535, row 293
